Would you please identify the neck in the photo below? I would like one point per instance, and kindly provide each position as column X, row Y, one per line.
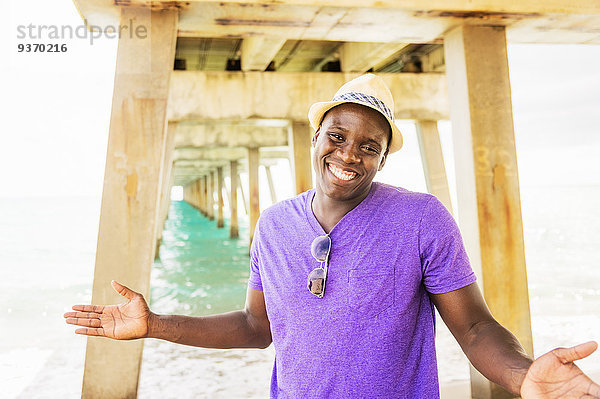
column 329, row 211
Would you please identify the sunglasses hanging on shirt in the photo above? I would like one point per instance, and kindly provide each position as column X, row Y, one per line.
column 320, row 249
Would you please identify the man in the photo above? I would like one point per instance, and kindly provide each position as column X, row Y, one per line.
column 344, row 278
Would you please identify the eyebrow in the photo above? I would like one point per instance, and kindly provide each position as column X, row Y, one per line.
column 374, row 142
column 337, row 127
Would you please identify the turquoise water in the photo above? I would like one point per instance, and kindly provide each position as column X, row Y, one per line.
column 201, row 270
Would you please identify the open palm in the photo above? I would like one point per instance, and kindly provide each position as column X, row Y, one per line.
column 128, row 320
column 554, row 375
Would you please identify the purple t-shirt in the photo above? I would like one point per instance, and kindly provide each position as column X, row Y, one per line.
column 372, row 334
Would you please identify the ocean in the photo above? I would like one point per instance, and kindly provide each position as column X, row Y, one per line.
column 47, row 248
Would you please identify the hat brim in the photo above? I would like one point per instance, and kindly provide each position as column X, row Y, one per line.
column 317, row 110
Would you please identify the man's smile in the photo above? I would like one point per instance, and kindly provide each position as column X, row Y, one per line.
column 340, row 173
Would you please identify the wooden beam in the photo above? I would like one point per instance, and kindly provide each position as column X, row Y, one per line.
column 299, row 139
column 271, row 185
column 259, row 51
column 360, row 57
column 253, row 160
column 220, row 221
column 130, row 206
column 234, row 231
column 288, row 95
column 432, row 159
column 486, row 168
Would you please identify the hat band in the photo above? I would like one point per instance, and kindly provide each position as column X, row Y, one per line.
column 365, row 98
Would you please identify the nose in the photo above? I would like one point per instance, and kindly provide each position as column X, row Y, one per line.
column 348, row 153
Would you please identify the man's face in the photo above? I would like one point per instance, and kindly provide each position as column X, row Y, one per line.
column 350, row 147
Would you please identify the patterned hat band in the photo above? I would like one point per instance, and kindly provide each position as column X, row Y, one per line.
column 365, row 98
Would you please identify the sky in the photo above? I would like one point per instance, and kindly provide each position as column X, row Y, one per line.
column 57, row 109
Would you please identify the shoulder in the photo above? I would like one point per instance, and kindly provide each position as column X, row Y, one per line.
column 391, row 197
column 285, row 211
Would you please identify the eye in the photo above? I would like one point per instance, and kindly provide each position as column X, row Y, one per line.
column 336, row 137
column 370, row 149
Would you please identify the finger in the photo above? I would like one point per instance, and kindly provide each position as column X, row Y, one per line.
column 122, row 290
column 594, row 390
column 567, row 355
column 97, row 332
column 82, row 315
column 84, row 322
column 73, row 314
column 89, row 308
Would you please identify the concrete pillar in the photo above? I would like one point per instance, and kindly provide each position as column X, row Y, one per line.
column 205, row 195
column 244, row 200
column 198, row 192
column 271, row 185
column 253, row 160
column 211, row 195
column 486, row 168
column 130, row 197
column 167, row 180
column 433, row 161
column 234, row 231
column 220, row 221
column 201, row 199
column 299, row 144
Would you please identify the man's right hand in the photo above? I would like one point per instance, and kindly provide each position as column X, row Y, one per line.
column 128, row 320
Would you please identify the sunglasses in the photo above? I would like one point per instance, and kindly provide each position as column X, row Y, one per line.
column 320, row 248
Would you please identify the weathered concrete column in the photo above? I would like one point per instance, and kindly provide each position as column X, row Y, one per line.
column 220, row 204
column 253, row 161
column 167, row 180
column 244, row 200
column 130, row 198
column 234, row 231
column 299, row 144
column 211, row 195
column 205, row 195
column 488, row 184
column 201, row 201
column 198, row 194
column 271, row 185
column 433, row 161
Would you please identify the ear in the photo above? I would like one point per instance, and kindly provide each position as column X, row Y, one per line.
column 382, row 162
column 313, row 140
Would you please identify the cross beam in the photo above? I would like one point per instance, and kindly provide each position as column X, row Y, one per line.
column 199, row 95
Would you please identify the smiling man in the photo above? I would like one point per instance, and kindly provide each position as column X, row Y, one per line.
column 344, row 279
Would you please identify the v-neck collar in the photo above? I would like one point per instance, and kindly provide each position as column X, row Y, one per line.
column 314, row 223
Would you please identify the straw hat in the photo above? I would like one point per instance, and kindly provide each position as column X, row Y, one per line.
column 368, row 90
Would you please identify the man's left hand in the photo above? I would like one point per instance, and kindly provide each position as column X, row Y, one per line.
column 554, row 375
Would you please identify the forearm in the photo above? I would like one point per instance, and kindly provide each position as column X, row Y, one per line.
column 228, row 330
column 497, row 354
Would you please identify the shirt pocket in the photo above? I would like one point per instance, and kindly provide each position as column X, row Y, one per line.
column 370, row 292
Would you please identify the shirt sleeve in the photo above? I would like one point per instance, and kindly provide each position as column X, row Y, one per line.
column 444, row 261
column 255, row 281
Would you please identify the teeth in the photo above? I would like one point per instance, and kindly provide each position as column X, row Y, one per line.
column 340, row 173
